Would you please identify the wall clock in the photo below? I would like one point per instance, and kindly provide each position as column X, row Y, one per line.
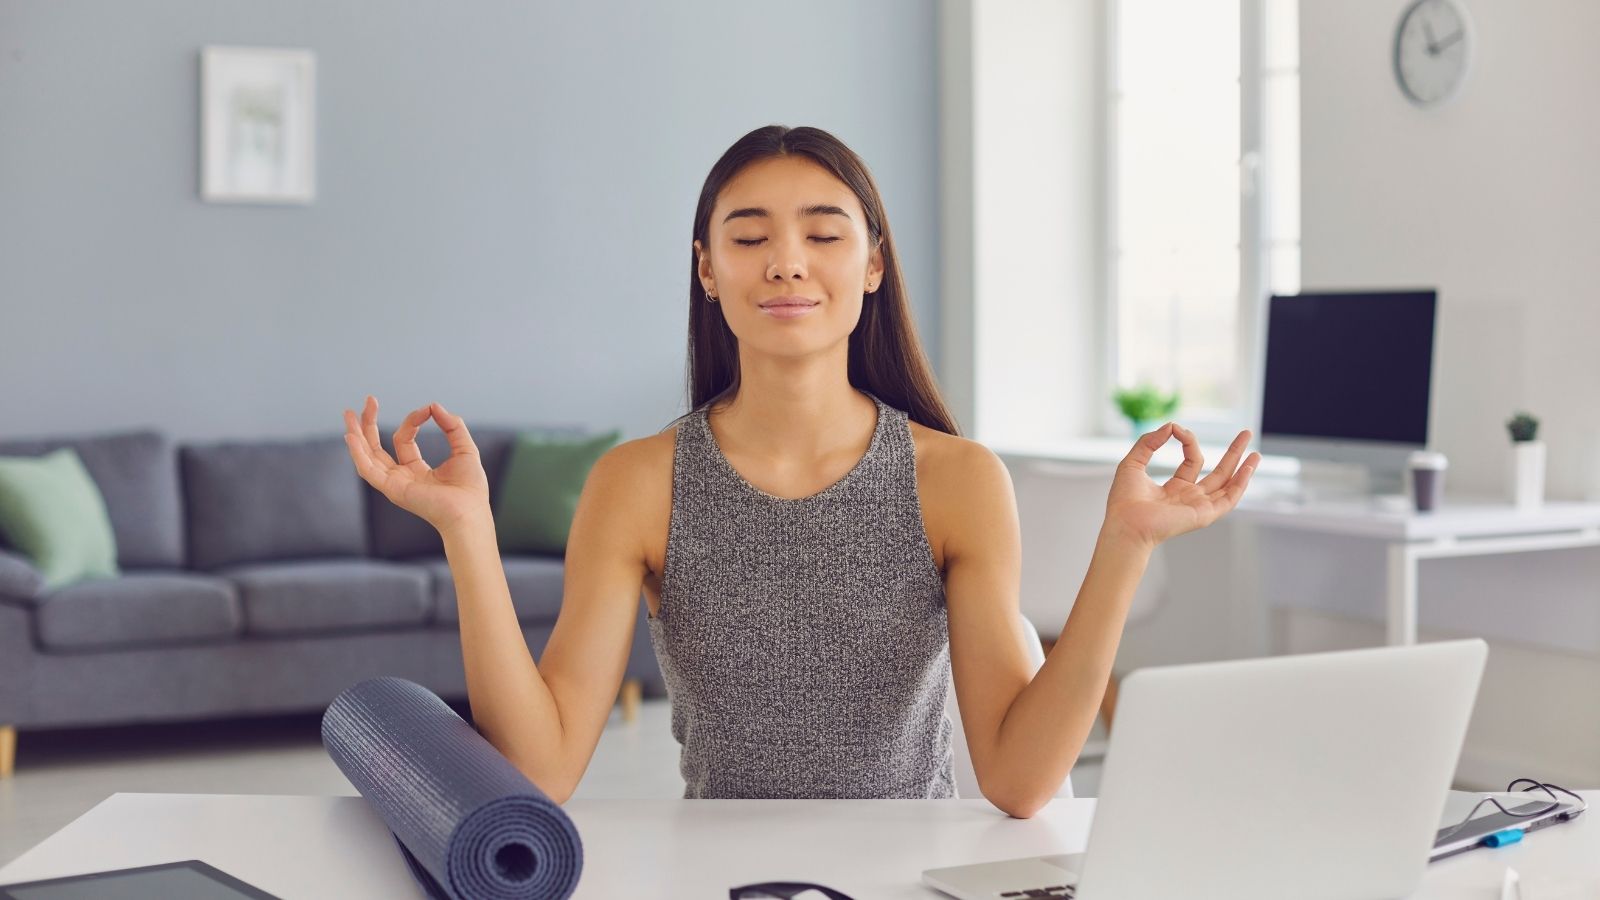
column 1432, row 49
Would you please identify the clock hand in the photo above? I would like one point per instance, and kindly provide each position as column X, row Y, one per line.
column 1429, row 33
column 1447, row 42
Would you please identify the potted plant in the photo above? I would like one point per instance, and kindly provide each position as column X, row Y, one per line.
column 1144, row 405
column 1527, row 461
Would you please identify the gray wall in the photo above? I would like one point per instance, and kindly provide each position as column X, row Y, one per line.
column 505, row 192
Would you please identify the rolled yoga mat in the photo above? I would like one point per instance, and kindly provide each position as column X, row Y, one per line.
column 468, row 823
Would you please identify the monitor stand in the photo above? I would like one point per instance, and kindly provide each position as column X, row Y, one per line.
column 1330, row 482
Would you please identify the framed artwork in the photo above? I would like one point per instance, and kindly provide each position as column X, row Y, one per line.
column 257, row 125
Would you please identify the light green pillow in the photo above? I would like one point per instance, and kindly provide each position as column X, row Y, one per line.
column 52, row 512
column 539, row 490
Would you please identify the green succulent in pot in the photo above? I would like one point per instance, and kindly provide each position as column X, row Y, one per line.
column 1145, row 405
column 1523, row 427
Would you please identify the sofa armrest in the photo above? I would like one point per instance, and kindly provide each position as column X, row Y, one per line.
column 19, row 579
column 17, row 655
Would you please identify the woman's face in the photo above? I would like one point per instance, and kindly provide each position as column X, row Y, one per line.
column 787, row 228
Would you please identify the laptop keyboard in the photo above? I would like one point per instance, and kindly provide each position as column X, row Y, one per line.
column 1054, row 890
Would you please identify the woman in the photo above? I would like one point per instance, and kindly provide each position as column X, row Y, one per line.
column 818, row 548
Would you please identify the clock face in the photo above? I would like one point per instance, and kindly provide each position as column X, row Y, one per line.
column 1431, row 49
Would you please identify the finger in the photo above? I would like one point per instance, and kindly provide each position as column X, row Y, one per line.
column 361, row 455
column 1146, row 446
column 1241, row 479
column 1193, row 462
column 369, row 431
column 405, row 439
column 1225, row 466
column 455, row 430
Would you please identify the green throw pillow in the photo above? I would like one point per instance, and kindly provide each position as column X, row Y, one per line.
column 540, row 488
column 52, row 512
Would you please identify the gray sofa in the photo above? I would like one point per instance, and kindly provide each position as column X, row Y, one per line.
column 257, row 578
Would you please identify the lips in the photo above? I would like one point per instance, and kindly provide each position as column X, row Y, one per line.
column 788, row 301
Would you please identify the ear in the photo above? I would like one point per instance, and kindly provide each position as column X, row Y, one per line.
column 875, row 265
column 702, row 260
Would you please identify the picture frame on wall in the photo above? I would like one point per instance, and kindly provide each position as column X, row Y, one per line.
column 257, row 125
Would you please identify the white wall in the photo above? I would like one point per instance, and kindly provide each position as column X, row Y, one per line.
column 1491, row 197
column 1022, row 332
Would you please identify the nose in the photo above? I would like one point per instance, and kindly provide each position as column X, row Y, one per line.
column 787, row 261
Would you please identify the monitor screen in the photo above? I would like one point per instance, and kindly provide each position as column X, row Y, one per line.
column 1349, row 366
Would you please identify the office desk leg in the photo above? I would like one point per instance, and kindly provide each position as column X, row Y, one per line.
column 1402, row 600
column 1251, row 633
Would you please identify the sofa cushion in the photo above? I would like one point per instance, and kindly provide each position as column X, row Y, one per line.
column 535, row 582
column 272, row 500
column 137, row 473
column 397, row 534
column 538, row 494
column 330, row 595
column 51, row 510
column 139, row 608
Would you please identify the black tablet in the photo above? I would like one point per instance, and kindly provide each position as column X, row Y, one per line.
column 190, row 879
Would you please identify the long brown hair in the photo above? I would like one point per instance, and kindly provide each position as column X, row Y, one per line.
column 886, row 359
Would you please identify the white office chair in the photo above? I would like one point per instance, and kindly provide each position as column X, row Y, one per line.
column 1061, row 507
column 966, row 776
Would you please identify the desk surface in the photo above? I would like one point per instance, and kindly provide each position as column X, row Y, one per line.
column 323, row 846
column 1457, row 518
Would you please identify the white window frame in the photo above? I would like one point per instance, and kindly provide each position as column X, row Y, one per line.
column 1217, row 426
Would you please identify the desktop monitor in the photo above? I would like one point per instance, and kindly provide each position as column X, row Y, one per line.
column 1347, row 379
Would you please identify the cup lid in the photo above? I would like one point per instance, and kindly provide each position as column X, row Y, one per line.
column 1428, row 459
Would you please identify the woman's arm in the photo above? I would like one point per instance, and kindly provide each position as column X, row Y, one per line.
column 1024, row 729
column 547, row 719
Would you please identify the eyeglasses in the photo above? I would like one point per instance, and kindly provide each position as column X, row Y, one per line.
column 781, row 890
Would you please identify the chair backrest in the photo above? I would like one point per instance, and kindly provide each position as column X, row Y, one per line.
column 1061, row 507
column 966, row 776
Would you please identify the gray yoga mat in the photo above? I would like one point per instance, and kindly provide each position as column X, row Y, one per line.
column 468, row 823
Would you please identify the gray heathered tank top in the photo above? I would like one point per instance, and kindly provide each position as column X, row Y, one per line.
column 804, row 642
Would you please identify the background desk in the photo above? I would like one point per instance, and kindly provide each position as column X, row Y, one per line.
column 1457, row 529
column 312, row 847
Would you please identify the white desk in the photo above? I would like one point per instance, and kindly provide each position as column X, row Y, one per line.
column 313, row 847
column 1456, row 529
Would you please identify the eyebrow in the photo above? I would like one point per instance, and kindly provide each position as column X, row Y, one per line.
column 758, row 212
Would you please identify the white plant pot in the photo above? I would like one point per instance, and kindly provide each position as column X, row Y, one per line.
column 1527, row 474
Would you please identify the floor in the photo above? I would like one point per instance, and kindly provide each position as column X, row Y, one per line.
column 60, row 775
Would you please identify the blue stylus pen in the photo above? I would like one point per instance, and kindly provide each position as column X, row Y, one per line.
column 1502, row 838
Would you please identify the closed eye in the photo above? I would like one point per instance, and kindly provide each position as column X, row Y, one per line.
column 754, row 241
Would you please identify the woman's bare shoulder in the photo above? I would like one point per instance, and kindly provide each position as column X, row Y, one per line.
column 639, row 464
column 950, row 462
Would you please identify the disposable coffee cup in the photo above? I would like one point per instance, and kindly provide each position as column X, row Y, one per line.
column 1427, row 479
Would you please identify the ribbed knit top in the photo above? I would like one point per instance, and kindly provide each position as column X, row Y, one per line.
column 804, row 641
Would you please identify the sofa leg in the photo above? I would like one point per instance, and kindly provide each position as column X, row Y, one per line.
column 632, row 693
column 8, row 750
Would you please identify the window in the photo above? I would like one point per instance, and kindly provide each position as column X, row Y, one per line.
column 1202, row 189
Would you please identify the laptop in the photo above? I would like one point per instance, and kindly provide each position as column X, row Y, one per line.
column 1313, row 776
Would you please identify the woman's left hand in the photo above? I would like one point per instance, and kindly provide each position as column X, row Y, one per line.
column 1149, row 512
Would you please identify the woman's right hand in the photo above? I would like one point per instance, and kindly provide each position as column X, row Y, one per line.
column 456, row 491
